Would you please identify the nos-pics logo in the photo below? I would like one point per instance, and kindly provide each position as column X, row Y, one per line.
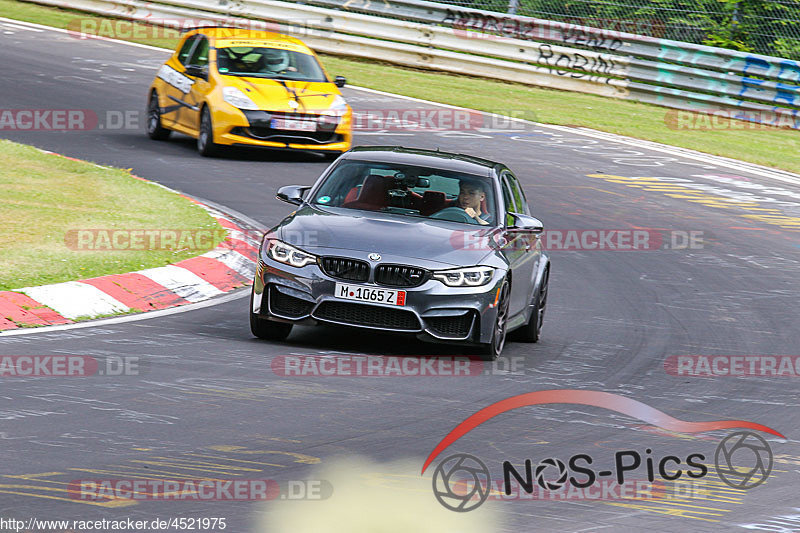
column 462, row 482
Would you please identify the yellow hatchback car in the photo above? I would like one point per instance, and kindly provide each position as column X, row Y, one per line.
column 237, row 87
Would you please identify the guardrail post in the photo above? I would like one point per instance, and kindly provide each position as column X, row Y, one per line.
column 512, row 7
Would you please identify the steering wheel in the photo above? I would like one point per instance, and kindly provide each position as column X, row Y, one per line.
column 237, row 60
column 453, row 214
column 236, row 56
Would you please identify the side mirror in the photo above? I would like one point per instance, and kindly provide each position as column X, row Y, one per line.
column 197, row 71
column 339, row 81
column 292, row 194
column 526, row 223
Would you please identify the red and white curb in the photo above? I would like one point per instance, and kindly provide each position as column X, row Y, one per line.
column 230, row 265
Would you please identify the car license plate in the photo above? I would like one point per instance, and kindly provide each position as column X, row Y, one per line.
column 293, row 124
column 360, row 293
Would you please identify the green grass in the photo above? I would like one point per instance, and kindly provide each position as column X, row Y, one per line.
column 45, row 196
column 777, row 148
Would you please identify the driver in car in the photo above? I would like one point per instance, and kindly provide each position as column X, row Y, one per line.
column 471, row 195
column 274, row 61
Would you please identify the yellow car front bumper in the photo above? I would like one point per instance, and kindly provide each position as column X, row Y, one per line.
column 232, row 127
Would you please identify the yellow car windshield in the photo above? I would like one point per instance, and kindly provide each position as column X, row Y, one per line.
column 265, row 62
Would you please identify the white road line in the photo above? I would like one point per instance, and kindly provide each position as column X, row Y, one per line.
column 247, row 238
column 235, row 295
column 233, row 260
column 18, row 27
column 73, row 299
column 182, row 282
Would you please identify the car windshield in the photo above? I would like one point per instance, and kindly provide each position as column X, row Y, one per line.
column 264, row 62
column 409, row 190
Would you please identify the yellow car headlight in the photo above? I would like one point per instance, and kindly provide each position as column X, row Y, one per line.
column 237, row 98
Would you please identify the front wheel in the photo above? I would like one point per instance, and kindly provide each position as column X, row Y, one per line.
column 205, row 137
column 154, row 128
column 492, row 350
column 267, row 329
column 532, row 331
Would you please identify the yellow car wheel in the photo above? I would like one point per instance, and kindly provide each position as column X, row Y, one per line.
column 154, row 128
column 205, row 137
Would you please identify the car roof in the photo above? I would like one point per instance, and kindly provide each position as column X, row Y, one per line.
column 225, row 32
column 424, row 158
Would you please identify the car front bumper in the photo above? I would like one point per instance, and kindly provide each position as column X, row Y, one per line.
column 433, row 311
column 235, row 127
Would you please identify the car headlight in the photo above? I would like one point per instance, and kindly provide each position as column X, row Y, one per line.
column 337, row 110
column 339, row 104
column 237, row 98
column 288, row 254
column 465, row 277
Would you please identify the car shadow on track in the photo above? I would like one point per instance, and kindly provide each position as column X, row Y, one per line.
column 325, row 338
column 238, row 153
column 357, row 340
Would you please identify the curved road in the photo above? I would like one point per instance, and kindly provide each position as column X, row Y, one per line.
column 206, row 402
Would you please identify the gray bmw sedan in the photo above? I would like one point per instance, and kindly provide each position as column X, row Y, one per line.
column 435, row 244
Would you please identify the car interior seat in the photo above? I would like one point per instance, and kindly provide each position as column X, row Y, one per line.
column 373, row 195
column 432, row 201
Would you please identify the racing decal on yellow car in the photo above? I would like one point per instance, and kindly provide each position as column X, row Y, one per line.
column 175, row 78
column 224, row 43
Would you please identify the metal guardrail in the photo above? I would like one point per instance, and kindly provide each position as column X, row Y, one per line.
column 507, row 47
column 670, row 73
column 770, row 27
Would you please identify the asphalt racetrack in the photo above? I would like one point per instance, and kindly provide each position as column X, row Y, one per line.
column 207, row 403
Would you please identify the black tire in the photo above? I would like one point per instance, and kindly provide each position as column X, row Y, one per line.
column 532, row 331
column 331, row 156
column 493, row 349
column 205, row 137
column 267, row 329
column 154, row 128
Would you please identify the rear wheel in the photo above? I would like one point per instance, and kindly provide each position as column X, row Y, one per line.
column 492, row 350
column 267, row 329
column 532, row 331
column 154, row 128
column 205, row 137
